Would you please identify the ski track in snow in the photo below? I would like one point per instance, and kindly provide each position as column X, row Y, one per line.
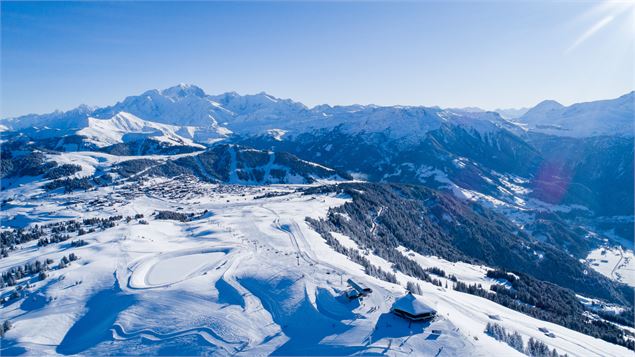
column 250, row 278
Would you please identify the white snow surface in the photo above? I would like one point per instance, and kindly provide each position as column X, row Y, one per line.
column 249, row 277
column 124, row 127
column 616, row 263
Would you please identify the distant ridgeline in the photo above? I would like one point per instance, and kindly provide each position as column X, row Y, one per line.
column 531, row 195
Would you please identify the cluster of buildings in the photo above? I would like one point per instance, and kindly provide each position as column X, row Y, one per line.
column 409, row 306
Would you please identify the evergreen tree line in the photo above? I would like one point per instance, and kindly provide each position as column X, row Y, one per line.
column 413, row 217
column 353, row 254
column 63, row 170
column 178, row 216
column 84, row 183
column 414, row 288
column 549, row 302
column 78, row 243
column 11, row 276
column 436, row 271
column 10, row 238
column 57, row 231
column 32, row 164
column 499, row 333
column 55, row 238
column 412, row 223
column 535, row 348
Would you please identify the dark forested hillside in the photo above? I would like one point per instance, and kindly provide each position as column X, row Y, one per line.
column 381, row 217
column 234, row 164
column 588, row 178
column 595, row 172
column 382, row 158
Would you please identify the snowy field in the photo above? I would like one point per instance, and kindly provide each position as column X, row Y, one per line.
column 614, row 262
column 248, row 277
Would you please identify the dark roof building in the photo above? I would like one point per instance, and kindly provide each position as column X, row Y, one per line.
column 359, row 289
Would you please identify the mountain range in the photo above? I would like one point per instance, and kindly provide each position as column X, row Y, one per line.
column 187, row 111
column 467, row 148
column 512, row 203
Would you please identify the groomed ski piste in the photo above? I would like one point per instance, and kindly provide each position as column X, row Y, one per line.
column 248, row 276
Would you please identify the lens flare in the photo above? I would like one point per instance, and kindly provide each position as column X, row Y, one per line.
column 604, row 14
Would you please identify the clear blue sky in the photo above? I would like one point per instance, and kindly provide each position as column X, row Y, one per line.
column 488, row 54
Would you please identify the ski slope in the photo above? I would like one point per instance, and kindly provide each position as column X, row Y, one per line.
column 249, row 277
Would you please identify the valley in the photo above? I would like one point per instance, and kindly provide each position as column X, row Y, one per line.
column 181, row 223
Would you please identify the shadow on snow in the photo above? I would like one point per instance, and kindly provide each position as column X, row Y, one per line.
column 94, row 327
column 300, row 321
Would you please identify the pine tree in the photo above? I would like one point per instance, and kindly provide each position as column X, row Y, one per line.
column 7, row 325
column 516, row 342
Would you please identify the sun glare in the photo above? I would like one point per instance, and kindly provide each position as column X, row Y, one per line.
column 604, row 14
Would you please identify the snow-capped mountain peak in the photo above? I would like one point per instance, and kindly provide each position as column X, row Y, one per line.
column 250, row 103
column 182, row 105
column 186, row 105
column 546, row 106
column 598, row 118
column 182, row 91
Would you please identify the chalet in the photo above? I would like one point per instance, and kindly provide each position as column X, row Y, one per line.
column 411, row 308
column 358, row 289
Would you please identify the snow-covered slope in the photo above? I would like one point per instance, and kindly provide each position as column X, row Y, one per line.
column 125, row 127
column 218, row 255
column 615, row 263
column 246, row 275
column 603, row 117
column 122, row 127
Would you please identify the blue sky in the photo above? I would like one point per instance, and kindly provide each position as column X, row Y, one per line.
column 452, row 54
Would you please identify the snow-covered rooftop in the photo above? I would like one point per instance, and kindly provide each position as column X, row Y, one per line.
column 412, row 305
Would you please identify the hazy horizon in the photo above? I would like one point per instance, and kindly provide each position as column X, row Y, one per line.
column 491, row 55
column 121, row 98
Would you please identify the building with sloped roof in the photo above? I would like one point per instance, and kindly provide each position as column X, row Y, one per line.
column 358, row 289
column 412, row 308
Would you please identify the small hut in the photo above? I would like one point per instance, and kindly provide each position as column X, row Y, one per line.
column 358, row 289
column 412, row 308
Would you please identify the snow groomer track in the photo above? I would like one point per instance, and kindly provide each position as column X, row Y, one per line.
column 166, row 269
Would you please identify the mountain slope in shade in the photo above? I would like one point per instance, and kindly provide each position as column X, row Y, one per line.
column 596, row 172
column 233, row 164
column 598, row 118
